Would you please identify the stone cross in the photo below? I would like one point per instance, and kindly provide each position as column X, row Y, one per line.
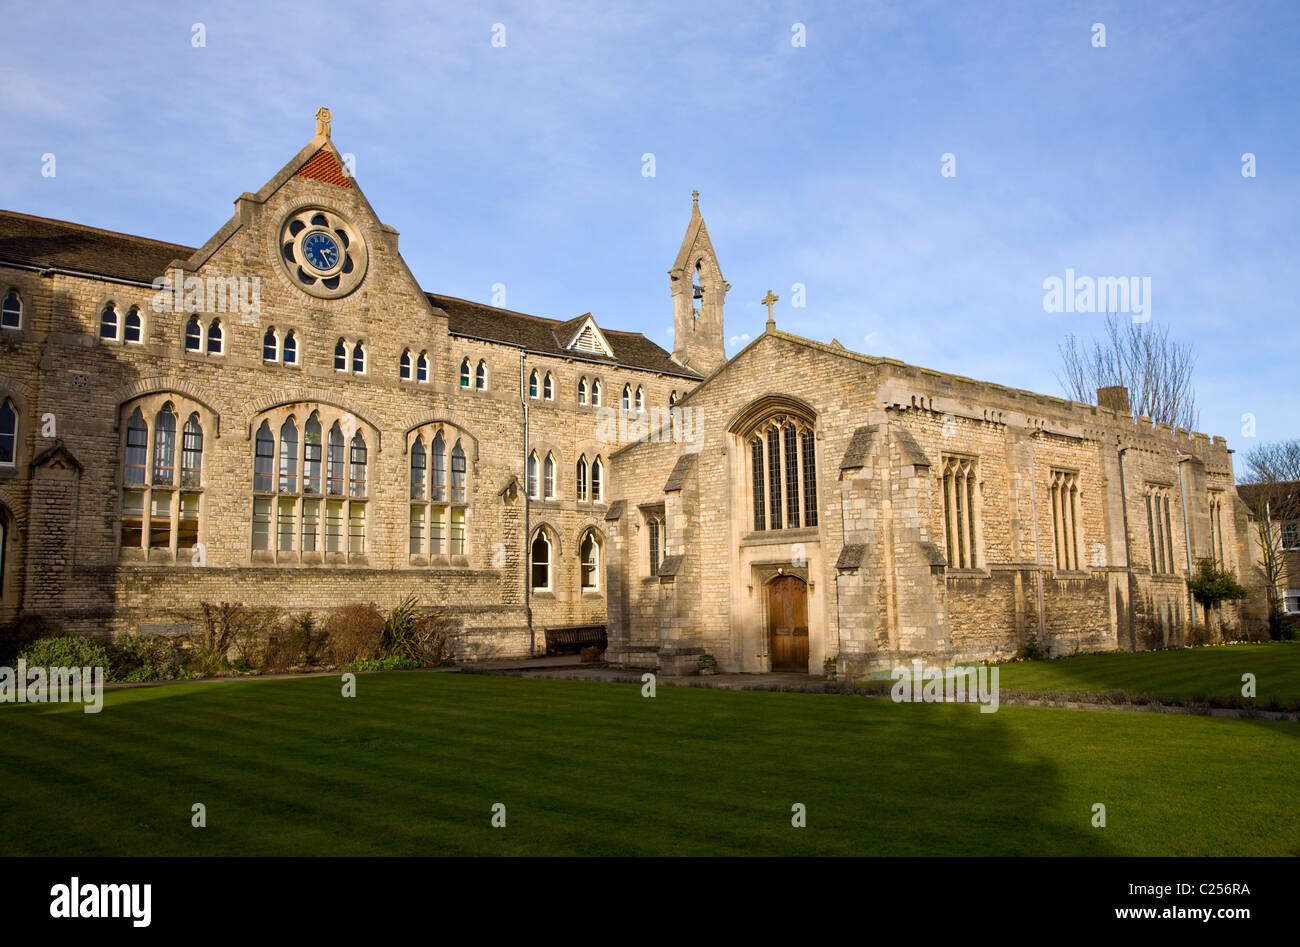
column 323, row 117
column 767, row 301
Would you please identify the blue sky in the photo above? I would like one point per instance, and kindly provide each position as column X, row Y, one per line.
column 818, row 165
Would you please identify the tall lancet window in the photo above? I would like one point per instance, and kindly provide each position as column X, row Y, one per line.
column 782, row 464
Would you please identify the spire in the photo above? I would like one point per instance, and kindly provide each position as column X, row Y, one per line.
column 698, row 290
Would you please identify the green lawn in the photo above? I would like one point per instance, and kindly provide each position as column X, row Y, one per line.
column 1183, row 675
column 414, row 763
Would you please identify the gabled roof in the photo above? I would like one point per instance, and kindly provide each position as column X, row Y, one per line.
column 547, row 336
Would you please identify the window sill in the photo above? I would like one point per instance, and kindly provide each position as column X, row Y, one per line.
column 770, row 537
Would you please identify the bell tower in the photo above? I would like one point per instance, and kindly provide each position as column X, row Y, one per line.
column 699, row 292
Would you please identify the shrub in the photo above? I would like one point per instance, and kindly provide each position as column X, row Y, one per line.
column 296, row 641
column 1212, row 585
column 252, row 635
column 424, row 637
column 19, row 633
column 355, row 633
column 148, row 657
column 394, row 662
column 66, row 651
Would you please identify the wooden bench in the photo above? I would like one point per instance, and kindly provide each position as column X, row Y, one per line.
column 570, row 639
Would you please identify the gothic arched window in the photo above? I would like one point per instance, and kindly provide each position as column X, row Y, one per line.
column 581, row 479
column 134, row 326
column 541, row 561
column 438, row 516
column 289, row 456
column 164, row 446
column 160, row 510
column 193, row 335
column 309, row 527
column 8, row 434
column 311, row 454
column 782, row 465
column 589, row 562
column 11, row 312
column 358, row 463
column 192, row 452
column 108, row 321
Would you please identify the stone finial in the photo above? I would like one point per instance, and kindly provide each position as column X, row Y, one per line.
column 769, row 300
column 695, row 199
column 323, row 117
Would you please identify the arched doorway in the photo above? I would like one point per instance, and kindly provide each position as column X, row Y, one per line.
column 787, row 623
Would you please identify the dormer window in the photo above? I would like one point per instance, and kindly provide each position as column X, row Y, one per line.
column 589, row 338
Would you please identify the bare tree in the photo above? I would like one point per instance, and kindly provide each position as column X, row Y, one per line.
column 1156, row 370
column 1274, row 462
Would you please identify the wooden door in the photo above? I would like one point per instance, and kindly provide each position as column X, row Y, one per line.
column 787, row 620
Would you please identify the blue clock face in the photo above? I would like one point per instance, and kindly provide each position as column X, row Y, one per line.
column 321, row 251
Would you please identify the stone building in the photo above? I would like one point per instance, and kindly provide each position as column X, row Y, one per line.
column 838, row 505
column 1275, row 509
column 284, row 417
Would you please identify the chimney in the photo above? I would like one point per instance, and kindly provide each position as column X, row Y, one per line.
column 1115, row 398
